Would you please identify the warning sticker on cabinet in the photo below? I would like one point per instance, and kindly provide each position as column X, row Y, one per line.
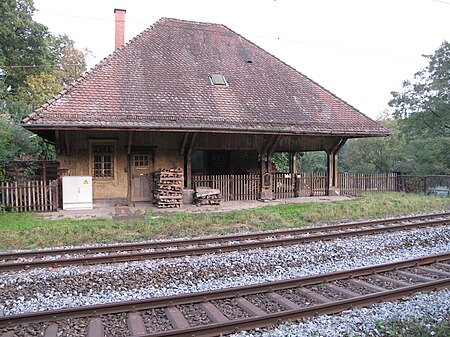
column 86, row 182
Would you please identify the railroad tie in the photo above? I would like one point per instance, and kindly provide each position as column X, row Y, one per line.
column 95, row 328
column 249, row 307
column 412, row 276
column 391, row 280
column 315, row 296
column 288, row 304
column 443, row 265
column 213, row 313
column 345, row 292
column 434, row 271
column 51, row 331
column 8, row 334
column 136, row 324
column 367, row 285
column 176, row 318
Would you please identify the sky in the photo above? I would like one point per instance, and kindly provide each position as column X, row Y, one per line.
column 360, row 50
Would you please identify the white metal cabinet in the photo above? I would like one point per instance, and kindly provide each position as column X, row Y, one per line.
column 77, row 192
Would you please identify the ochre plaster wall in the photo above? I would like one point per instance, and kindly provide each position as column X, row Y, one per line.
column 77, row 161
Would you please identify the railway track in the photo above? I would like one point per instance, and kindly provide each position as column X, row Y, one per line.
column 178, row 248
column 229, row 310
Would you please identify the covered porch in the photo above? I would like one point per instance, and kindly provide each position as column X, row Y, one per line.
column 240, row 165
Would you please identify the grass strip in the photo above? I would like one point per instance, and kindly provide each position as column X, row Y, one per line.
column 28, row 230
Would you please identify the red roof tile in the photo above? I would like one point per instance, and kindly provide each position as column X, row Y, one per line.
column 160, row 80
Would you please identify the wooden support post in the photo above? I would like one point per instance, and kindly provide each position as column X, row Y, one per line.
column 67, row 143
column 188, row 172
column 57, row 142
column 129, row 177
column 293, row 163
column 130, row 142
column 266, row 167
column 293, row 172
column 44, row 171
column 332, row 173
column 129, row 165
column 332, row 167
column 263, row 164
column 183, row 145
column 188, row 158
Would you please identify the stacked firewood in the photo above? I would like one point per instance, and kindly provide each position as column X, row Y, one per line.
column 168, row 191
column 207, row 196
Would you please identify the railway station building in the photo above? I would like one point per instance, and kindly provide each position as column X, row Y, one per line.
column 198, row 96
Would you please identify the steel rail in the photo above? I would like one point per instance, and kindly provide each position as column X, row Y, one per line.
column 160, row 302
column 159, row 254
column 214, row 239
column 233, row 326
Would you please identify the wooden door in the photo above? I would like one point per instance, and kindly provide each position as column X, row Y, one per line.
column 141, row 177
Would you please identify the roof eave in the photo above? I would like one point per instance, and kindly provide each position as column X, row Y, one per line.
column 348, row 134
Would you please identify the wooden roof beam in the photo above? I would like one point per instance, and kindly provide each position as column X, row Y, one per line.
column 337, row 146
column 130, row 141
column 268, row 144
column 191, row 144
column 185, row 140
column 271, row 148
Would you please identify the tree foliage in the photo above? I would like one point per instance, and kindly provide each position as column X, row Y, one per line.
column 424, row 103
column 419, row 125
column 306, row 161
column 24, row 43
column 34, row 66
column 376, row 155
column 422, row 109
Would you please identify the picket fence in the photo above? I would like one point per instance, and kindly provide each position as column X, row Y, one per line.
column 289, row 185
column 21, row 196
column 32, row 195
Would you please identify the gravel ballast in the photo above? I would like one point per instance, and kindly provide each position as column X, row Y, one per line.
column 431, row 308
column 45, row 289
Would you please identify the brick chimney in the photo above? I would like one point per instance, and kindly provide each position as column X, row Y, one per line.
column 120, row 27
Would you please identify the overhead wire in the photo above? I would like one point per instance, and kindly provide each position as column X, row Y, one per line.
column 41, row 65
column 250, row 35
column 442, row 2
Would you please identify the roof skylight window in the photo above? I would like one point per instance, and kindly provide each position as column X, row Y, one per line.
column 218, row 79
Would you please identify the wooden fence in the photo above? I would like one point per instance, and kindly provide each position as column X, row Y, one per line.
column 23, row 196
column 288, row 185
column 355, row 183
column 232, row 187
column 312, row 184
column 283, row 185
column 411, row 184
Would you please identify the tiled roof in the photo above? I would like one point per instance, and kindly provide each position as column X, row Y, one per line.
column 160, row 80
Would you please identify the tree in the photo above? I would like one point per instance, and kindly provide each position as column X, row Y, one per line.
column 306, row 161
column 70, row 64
column 376, row 155
column 34, row 66
column 24, row 44
column 312, row 161
column 424, row 104
column 14, row 142
column 423, row 111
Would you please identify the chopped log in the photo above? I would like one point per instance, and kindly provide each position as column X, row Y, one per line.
column 168, row 187
column 207, row 196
